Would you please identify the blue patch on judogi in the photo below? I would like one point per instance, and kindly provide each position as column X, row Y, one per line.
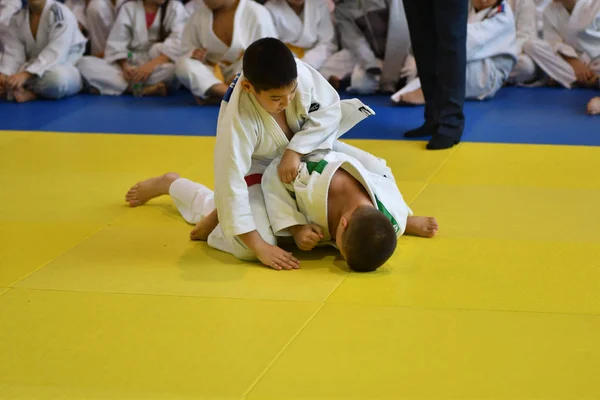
column 230, row 89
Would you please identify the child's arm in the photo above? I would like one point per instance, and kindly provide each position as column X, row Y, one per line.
column 174, row 22
column 326, row 43
column 491, row 35
column 120, row 36
column 63, row 27
column 552, row 35
column 353, row 39
column 235, row 144
column 282, row 208
column 14, row 50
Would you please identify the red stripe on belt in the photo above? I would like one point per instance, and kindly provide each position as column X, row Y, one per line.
column 253, row 179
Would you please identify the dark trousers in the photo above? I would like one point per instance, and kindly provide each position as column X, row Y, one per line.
column 438, row 32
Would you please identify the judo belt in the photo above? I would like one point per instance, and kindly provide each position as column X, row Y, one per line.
column 253, row 179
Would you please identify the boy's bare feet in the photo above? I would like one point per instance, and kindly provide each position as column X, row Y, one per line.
column 24, row 95
column 143, row 191
column 414, row 98
column 160, row 89
column 421, row 226
column 335, row 82
column 204, row 228
column 593, row 107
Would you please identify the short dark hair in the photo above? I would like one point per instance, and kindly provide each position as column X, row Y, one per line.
column 269, row 64
column 369, row 240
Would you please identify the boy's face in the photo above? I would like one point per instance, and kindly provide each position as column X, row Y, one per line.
column 273, row 101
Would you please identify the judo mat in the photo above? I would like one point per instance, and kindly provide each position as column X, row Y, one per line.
column 102, row 301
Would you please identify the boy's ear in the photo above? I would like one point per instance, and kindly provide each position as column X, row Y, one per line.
column 247, row 86
column 344, row 223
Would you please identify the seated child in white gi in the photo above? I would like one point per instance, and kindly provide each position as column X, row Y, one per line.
column 141, row 49
column 306, row 27
column 214, row 41
column 491, row 54
column 562, row 55
column 336, row 199
column 40, row 50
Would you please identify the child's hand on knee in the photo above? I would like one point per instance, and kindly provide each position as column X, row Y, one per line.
column 288, row 166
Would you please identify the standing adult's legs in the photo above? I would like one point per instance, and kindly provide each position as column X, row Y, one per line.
column 423, row 37
column 451, row 61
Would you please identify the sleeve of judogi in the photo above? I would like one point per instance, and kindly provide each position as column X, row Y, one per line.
column 525, row 19
column 326, row 45
column 235, row 143
column 391, row 203
column 121, row 34
column 282, row 208
column 189, row 36
column 63, row 25
column 177, row 17
column 589, row 38
column 8, row 8
column 13, row 56
column 552, row 35
column 321, row 127
column 492, row 36
column 353, row 39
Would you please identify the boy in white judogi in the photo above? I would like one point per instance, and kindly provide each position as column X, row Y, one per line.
column 41, row 48
column 279, row 106
column 306, row 27
column 214, row 41
column 491, row 54
column 525, row 70
column 349, row 200
column 375, row 40
column 563, row 57
column 147, row 34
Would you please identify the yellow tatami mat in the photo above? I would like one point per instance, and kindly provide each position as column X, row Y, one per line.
column 102, row 301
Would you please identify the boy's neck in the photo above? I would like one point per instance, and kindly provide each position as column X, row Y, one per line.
column 570, row 5
column 347, row 194
column 37, row 9
column 297, row 9
column 150, row 7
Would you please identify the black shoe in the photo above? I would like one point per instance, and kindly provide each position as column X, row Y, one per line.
column 440, row 142
column 427, row 129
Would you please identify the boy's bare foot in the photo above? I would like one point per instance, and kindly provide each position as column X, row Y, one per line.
column 160, row 89
column 204, row 228
column 144, row 191
column 24, row 95
column 414, row 98
column 421, row 226
column 209, row 101
column 593, row 107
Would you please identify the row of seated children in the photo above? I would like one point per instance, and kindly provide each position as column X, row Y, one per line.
column 151, row 46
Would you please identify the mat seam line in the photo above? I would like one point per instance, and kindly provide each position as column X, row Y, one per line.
column 278, row 355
